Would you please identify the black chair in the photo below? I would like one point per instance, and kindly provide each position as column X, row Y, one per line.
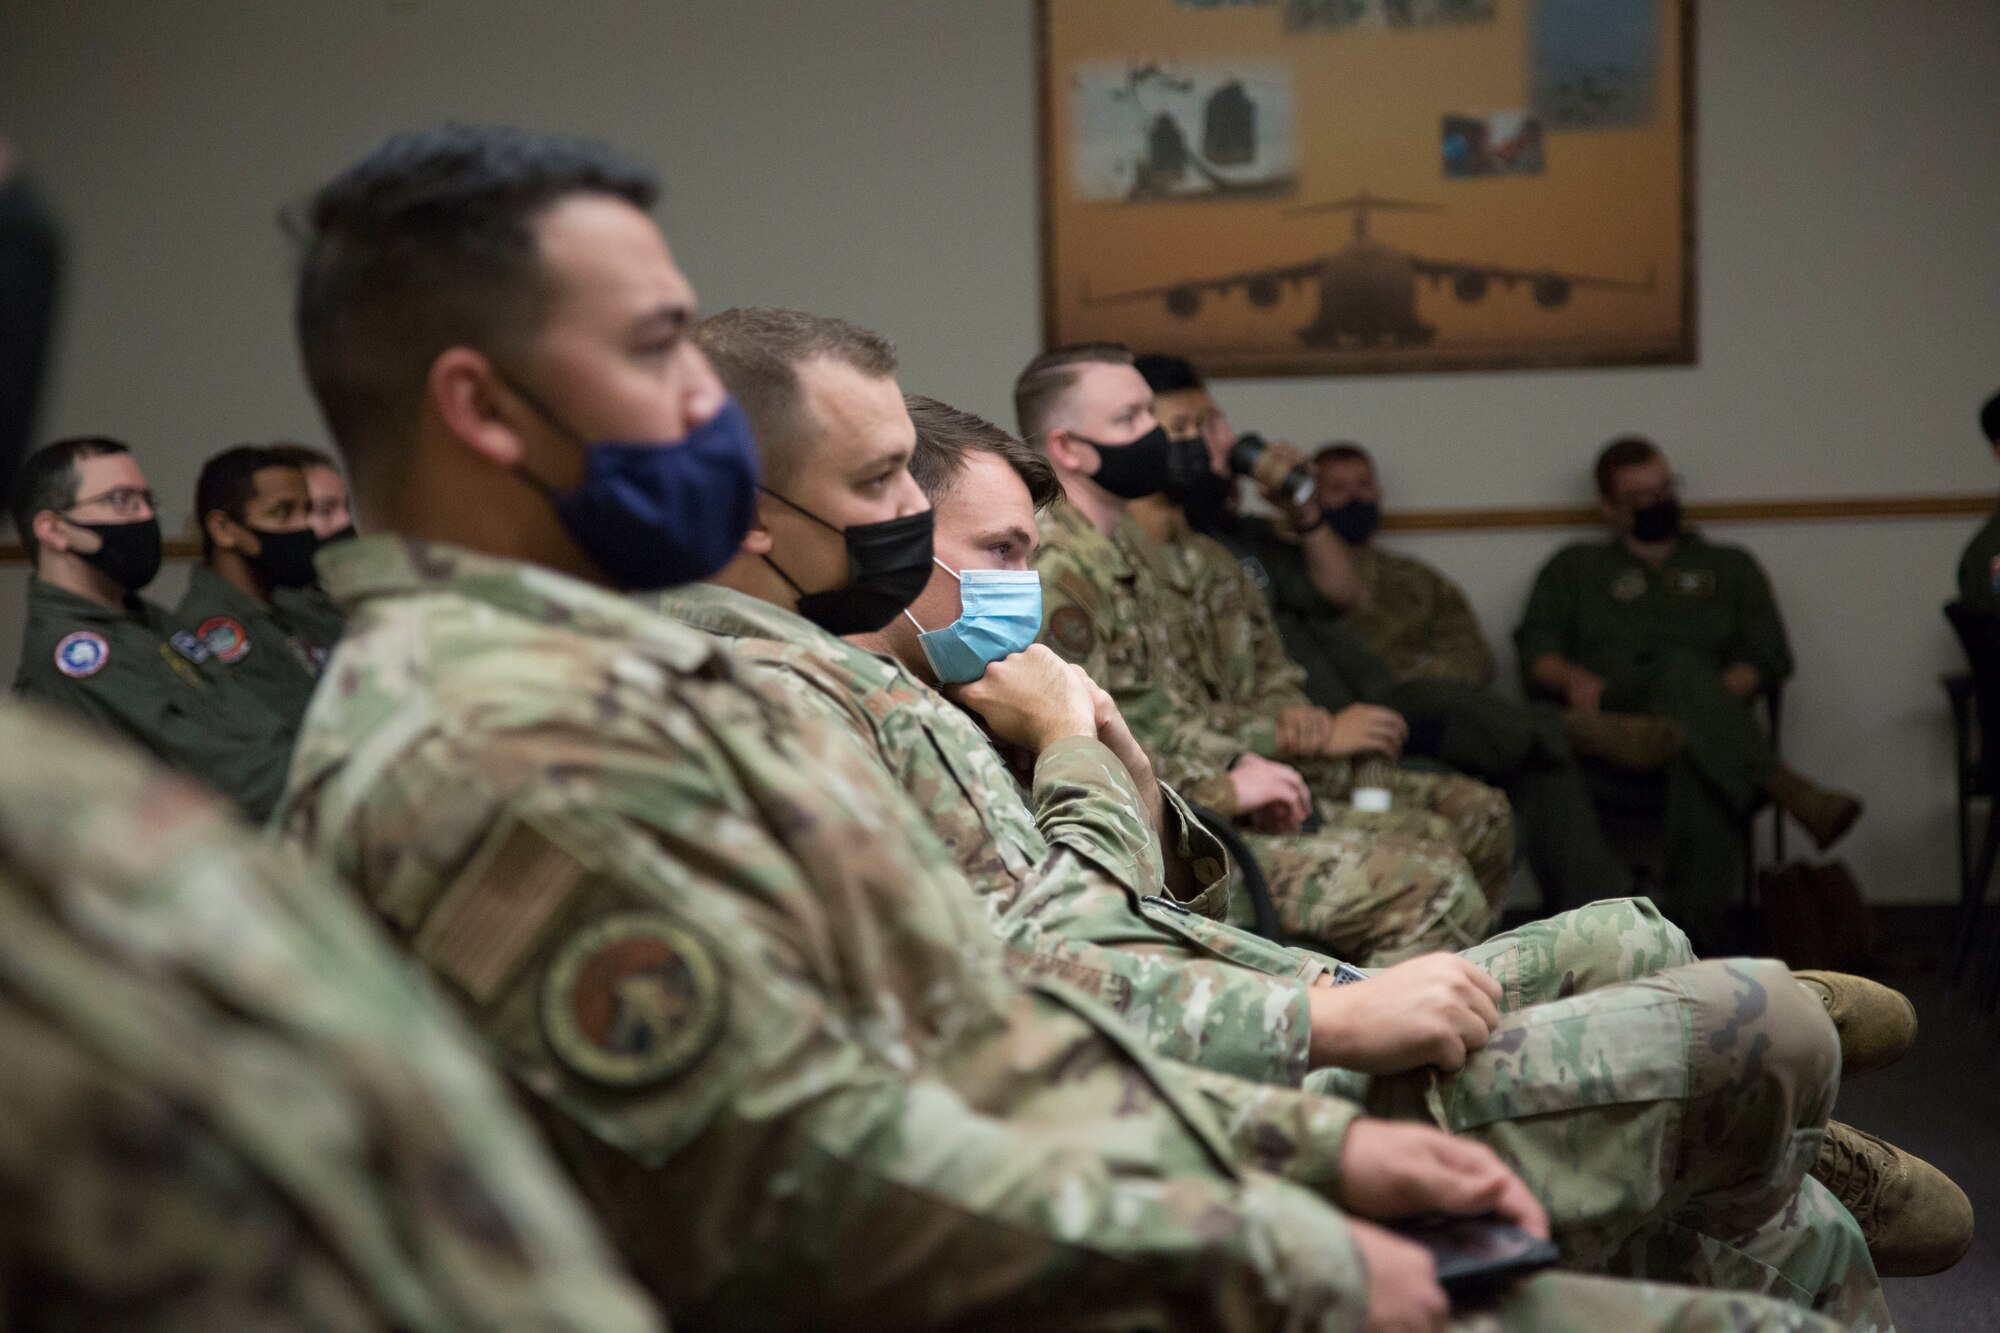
column 1264, row 912
column 1976, row 710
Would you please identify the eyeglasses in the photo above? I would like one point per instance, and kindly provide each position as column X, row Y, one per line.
column 124, row 501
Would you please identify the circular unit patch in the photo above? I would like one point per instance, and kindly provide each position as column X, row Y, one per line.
column 224, row 637
column 1071, row 632
column 1629, row 586
column 631, row 1000
column 82, row 654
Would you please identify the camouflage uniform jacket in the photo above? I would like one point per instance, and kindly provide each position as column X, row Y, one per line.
column 1069, row 869
column 228, row 1104
column 764, row 1011
column 1418, row 621
column 1109, row 614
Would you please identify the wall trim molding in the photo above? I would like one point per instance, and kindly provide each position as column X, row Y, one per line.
column 1501, row 518
column 1829, row 509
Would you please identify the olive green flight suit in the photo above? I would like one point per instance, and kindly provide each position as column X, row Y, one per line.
column 1521, row 748
column 132, row 671
column 1660, row 638
column 276, row 650
column 1979, row 566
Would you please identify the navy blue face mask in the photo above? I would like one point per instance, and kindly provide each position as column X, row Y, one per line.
column 659, row 514
column 1355, row 522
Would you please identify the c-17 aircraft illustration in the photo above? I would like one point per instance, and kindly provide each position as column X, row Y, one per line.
column 1368, row 290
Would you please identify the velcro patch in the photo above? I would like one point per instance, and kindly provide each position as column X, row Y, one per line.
column 1691, row 583
column 491, row 919
column 224, row 637
column 1629, row 586
column 83, row 654
column 188, row 646
column 631, row 999
column 1071, row 633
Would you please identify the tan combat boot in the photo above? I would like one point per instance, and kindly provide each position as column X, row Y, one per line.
column 1823, row 813
column 1629, row 740
column 1916, row 1221
column 1877, row 1025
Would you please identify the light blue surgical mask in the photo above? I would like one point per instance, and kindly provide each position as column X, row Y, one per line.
column 1000, row 613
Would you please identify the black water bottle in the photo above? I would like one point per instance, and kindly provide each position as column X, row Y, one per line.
column 1297, row 487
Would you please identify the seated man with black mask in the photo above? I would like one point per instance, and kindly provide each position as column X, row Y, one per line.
column 93, row 646
column 256, row 542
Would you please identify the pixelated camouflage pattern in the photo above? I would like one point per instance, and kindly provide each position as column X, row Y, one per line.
column 228, row 1105
column 1223, row 623
column 1069, row 869
column 1418, row 621
column 1361, row 897
column 886, row 1132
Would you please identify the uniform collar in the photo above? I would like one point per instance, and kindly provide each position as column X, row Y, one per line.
column 1065, row 526
column 48, row 599
column 369, row 569
column 205, row 585
column 737, row 615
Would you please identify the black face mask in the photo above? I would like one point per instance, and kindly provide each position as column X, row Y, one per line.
column 1136, row 470
column 1204, row 498
column 1657, row 522
column 1355, row 522
column 130, row 554
column 285, row 558
column 888, row 565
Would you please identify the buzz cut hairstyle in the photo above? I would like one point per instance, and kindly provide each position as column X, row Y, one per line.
column 946, row 435
column 425, row 244
column 1989, row 420
column 228, row 483
column 48, row 480
column 1623, row 452
column 758, row 351
column 1168, row 374
column 1041, row 388
column 302, row 456
column 1343, row 451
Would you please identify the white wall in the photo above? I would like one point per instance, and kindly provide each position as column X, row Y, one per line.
column 876, row 159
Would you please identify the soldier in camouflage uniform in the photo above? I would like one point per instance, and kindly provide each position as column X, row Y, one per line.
column 1076, row 901
column 1247, row 685
column 759, row 1006
column 227, row 1105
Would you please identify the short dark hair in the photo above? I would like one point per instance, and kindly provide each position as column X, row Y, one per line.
column 1989, row 419
column 47, row 480
column 228, row 482
column 428, row 243
column 1623, row 452
column 945, row 435
column 1343, row 451
column 302, row 456
column 1042, row 386
column 1168, row 374
column 757, row 351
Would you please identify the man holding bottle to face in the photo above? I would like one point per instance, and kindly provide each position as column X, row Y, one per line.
column 94, row 646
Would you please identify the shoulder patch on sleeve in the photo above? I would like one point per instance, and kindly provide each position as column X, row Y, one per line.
column 631, row 999
column 490, row 920
column 1071, row 633
column 82, row 654
column 223, row 637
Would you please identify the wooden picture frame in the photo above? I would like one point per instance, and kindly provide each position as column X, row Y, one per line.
column 1310, row 187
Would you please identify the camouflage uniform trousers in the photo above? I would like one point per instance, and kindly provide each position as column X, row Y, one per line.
column 1463, row 813
column 1678, row 1146
column 1371, row 896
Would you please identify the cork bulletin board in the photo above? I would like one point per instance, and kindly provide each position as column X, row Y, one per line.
column 1350, row 186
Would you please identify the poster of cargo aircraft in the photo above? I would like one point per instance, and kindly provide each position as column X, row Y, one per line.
column 1368, row 288
column 1506, row 185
